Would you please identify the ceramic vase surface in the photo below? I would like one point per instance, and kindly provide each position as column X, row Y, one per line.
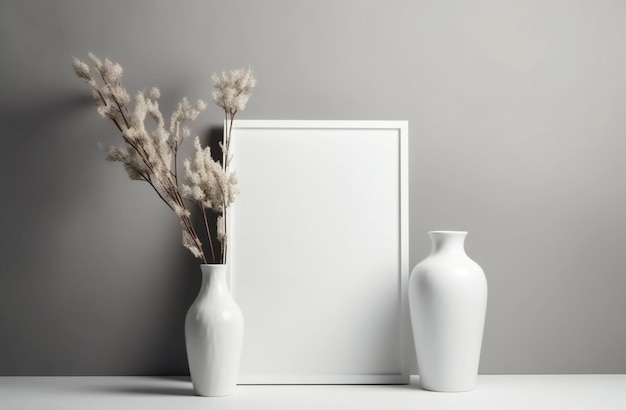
column 448, row 302
column 213, row 335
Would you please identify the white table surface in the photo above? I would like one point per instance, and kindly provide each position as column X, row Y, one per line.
column 510, row 392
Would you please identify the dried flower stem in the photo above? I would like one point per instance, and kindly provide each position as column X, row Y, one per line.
column 224, row 243
column 208, row 231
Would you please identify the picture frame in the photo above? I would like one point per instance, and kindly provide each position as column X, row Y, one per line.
column 318, row 251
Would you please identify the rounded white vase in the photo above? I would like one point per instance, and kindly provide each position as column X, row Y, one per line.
column 214, row 335
column 448, row 302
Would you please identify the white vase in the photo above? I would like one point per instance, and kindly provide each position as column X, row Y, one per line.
column 448, row 302
column 214, row 335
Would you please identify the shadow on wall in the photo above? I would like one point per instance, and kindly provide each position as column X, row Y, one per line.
column 72, row 299
column 38, row 163
column 34, row 164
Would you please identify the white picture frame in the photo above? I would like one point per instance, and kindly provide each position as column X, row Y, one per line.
column 318, row 251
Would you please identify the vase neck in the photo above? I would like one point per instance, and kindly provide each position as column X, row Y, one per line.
column 214, row 278
column 447, row 241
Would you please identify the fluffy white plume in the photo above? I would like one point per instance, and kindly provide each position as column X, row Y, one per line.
column 82, row 69
column 210, row 185
column 190, row 243
column 221, row 229
column 232, row 90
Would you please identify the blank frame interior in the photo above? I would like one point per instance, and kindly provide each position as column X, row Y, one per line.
column 319, row 250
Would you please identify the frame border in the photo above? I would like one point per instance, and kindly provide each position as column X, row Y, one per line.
column 403, row 377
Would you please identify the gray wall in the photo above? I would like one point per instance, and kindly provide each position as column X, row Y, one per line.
column 517, row 134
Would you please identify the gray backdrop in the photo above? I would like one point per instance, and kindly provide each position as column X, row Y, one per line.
column 517, row 134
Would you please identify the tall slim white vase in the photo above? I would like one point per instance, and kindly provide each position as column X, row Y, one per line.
column 448, row 302
column 214, row 335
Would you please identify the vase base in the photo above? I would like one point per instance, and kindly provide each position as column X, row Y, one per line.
column 215, row 394
column 447, row 389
